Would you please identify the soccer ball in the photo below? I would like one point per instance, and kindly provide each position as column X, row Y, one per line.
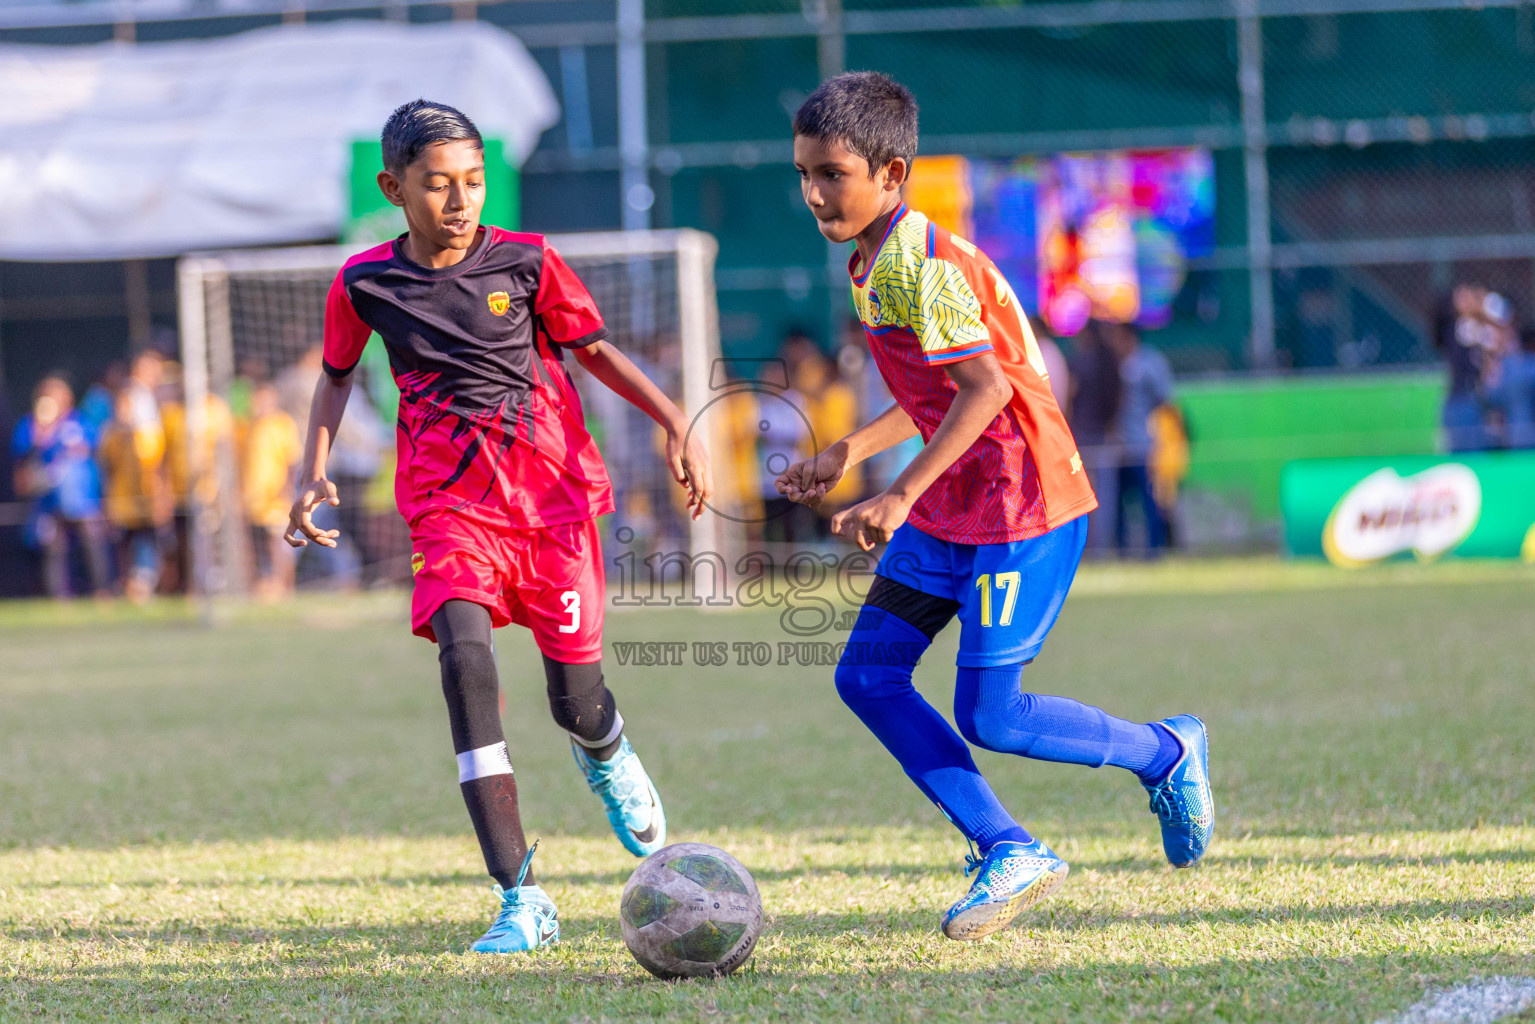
column 690, row 910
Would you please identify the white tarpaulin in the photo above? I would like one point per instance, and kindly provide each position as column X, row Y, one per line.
column 118, row 150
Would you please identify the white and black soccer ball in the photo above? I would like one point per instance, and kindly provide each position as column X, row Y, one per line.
column 690, row 910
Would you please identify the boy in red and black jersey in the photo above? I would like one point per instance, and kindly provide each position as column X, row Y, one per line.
column 497, row 476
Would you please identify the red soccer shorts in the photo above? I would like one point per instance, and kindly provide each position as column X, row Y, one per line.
column 548, row 578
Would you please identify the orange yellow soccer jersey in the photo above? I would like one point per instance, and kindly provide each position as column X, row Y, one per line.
column 131, row 458
column 931, row 298
column 218, row 430
column 272, row 449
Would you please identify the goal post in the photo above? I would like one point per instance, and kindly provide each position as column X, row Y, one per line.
column 251, row 314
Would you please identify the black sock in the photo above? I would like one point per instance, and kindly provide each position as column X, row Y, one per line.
column 605, row 752
column 485, row 777
column 492, row 803
column 583, row 706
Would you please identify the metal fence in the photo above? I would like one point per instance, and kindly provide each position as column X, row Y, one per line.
column 1368, row 153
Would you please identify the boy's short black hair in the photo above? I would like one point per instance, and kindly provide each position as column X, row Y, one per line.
column 421, row 123
column 871, row 114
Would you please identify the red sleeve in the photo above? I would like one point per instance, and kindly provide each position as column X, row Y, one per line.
column 567, row 309
column 345, row 333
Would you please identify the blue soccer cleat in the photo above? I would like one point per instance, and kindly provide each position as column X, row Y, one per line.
column 1183, row 802
column 527, row 918
column 1012, row 876
column 633, row 805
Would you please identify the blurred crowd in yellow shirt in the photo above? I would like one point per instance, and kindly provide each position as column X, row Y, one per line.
column 152, row 481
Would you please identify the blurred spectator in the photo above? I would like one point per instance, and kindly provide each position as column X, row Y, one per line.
column 356, row 456
column 1055, row 363
column 52, row 452
column 783, row 435
column 96, row 406
column 630, row 442
column 1316, row 310
column 1511, row 393
column 272, row 453
column 250, row 372
column 1473, row 329
column 145, row 375
column 1146, row 385
column 1094, row 414
column 1169, row 465
column 7, row 455
column 295, row 393
column 295, row 387
column 735, row 426
column 185, row 494
column 132, row 453
column 832, row 410
column 858, row 366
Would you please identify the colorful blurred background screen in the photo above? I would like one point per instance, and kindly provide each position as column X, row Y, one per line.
column 1079, row 235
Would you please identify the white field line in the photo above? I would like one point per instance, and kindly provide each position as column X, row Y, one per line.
column 1480, row 1001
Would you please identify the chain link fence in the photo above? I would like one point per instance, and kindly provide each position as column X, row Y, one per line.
column 1396, row 146
column 1388, row 140
column 1365, row 156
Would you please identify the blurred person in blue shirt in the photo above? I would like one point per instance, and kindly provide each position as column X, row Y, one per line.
column 1473, row 328
column 54, row 467
column 1511, row 392
column 1146, row 384
column 96, row 406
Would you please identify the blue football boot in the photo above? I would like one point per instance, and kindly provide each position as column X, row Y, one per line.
column 1182, row 801
column 1012, row 876
column 527, row 918
column 629, row 797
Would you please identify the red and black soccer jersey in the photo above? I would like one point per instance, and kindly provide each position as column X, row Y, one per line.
column 490, row 424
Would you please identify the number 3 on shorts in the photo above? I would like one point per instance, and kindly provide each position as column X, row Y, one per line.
column 1008, row 581
column 572, row 602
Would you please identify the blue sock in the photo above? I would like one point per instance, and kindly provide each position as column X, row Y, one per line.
column 874, row 680
column 1169, row 750
column 993, row 712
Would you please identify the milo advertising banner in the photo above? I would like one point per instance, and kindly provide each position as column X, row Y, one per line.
column 1359, row 511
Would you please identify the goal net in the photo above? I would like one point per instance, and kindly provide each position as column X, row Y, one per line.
column 251, row 318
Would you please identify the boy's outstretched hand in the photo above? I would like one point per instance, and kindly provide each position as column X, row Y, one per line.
column 301, row 528
column 690, row 467
column 871, row 522
column 807, row 482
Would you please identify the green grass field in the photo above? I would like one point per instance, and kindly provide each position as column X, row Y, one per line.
column 261, row 821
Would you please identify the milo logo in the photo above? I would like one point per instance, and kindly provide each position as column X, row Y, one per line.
column 1428, row 513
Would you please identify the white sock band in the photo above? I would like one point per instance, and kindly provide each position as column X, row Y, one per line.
column 612, row 734
column 483, row 761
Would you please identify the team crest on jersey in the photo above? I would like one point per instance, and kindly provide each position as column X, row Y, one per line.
column 873, row 306
column 417, row 559
column 498, row 302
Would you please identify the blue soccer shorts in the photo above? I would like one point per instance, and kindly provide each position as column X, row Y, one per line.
column 1009, row 595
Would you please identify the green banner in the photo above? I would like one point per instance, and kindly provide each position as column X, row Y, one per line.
column 371, row 218
column 1242, row 431
column 1360, row 511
